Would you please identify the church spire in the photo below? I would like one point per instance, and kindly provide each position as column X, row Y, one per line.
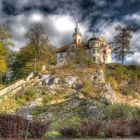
column 77, row 36
column 77, row 30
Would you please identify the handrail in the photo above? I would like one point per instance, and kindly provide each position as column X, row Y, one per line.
column 12, row 87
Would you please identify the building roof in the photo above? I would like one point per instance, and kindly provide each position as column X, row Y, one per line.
column 65, row 48
column 62, row 49
column 93, row 38
column 84, row 46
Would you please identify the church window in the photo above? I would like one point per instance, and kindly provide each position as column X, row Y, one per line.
column 61, row 55
column 96, row 44
column 92, row 43
column 94, row 59
column 93, row 50
column 68, row 54
column 97, row 50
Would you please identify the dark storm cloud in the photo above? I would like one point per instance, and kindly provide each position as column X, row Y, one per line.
column 95, row 17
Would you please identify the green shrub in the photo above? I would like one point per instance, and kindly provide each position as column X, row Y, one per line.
column 26, row 96
column 127, row 91
column 113, row 82
column 30, row 94
column 87, row 88
column 69, row 131
column 53, row 134
column 46, row 98
column 120, row 111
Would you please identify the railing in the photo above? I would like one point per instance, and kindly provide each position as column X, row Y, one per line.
column 13, row 87
column 16, row 86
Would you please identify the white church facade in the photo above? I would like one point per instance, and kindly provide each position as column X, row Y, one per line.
column 97, row 48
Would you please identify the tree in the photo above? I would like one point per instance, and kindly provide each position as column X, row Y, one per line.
column 5, row 41
column 5, row 36
column 37, row 38
column 38, row 47
column 121, row 42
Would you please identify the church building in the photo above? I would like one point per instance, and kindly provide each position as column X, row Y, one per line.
column 97, row 48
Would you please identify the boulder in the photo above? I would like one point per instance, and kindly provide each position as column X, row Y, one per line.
column 70, row 80
column 50, row 80
column 77, row 85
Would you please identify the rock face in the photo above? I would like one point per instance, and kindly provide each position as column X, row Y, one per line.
column 107, row 94
column 98, row 77
column 94, row 112
column 53, row 82
column 24, row 111
column 72, row 96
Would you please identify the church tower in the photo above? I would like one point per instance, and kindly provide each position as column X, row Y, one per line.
column 77, row 36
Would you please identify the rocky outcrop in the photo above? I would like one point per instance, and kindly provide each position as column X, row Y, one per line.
column 68, row 101
column 98, row 77
column 53, row 81
column 108, row 95
column 94, row 112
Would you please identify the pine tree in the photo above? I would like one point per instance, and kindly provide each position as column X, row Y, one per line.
column 121, row 42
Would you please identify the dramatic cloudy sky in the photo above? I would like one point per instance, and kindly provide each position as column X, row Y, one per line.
column 95, row 17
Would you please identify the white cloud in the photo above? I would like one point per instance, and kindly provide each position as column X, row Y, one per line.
column 100, row 3
column 133, row 17
column 107, row 29
column 135, row 43
column 134, row 59
column 59, row 27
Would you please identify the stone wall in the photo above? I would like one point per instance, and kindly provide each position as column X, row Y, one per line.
column 13, row 88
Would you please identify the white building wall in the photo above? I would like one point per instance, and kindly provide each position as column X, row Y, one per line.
column 97, row 56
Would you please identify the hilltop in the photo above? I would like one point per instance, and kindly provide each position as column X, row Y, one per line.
column 69, row 95
column 74, row 93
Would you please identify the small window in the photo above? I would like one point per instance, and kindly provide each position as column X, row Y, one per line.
column 94, row 59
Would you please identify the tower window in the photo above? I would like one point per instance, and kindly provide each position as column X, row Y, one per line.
column 78, row 40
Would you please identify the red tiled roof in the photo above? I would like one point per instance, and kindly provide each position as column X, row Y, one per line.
column 64, row 48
